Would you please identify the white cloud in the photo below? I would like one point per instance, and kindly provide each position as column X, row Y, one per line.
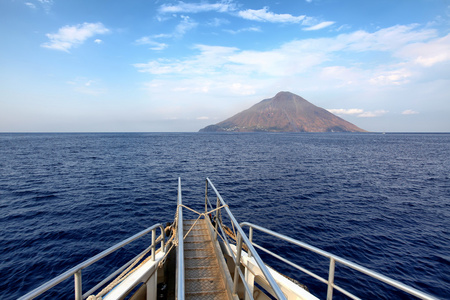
column 69, row 36
column 98, row 41
column 263, row 15
column 217, row 22
column 210, row 60
column 259, row 15
column 358, row 112
column 428, row 53
column 395, row 77
column 319, row 26
column 306, row 56
column 247, row 29
column 46, row 4
column 149, row 41
column 349, row 111
column 300, row 56
column 184, row 26
column 182, row 7
column 373, row 114
column 30, row 5
column 386, row 39
column 409, row 112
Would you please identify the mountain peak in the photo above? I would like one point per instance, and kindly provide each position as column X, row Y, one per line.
column 284, row 95
column 285, row 112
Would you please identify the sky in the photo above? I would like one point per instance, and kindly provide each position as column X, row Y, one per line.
column 178, row 66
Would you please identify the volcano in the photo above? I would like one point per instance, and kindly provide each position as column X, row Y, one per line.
column 286, row 112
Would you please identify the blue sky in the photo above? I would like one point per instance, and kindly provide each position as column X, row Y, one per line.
column 102, row 65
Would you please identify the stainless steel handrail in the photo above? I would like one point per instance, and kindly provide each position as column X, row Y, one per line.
column 76, row 271
column 335, row 259
column 180, row 248
column 242, row 238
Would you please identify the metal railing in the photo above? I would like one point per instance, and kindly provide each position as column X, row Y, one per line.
column 333, row 260
column 76, row 271
column 180, row 249
column 241, row 238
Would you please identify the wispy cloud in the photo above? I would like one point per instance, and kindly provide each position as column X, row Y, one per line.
column 30, row 5
column 259, row 15
column 182, row 7
column 46, row 5
column 217, row 22
column 147, row 40
column 373, row 114
column 428, row 53
column 344, row 111
column 264, row 15
column 69, row 36
column 184, row 26
column 391, row 77
column 180, row 30
column 300, row 56
column 358, row 112
column 210, row 60
column 409, row 112
column 247, row 29
column 319, row 26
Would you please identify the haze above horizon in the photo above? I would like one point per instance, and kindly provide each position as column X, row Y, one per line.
column 141, row 66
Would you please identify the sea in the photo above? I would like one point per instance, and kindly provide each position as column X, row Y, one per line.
column 379, row 200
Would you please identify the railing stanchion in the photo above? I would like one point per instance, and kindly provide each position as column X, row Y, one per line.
column 237, row 263
column 206, row 197
column 217, row 218
column 250, row 238
column 163, row 237
column 153, row 243
column 331, row 279
column 78, row 286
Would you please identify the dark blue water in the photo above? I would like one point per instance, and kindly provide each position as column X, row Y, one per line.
column 382, row 201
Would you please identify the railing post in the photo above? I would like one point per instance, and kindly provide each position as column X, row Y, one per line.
column 206, row 197
column 331, row 279
column 78, row 286
column 237, row 263
column 163, row 239
column 153, row 243
column 217, row 218
column 250, row 238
